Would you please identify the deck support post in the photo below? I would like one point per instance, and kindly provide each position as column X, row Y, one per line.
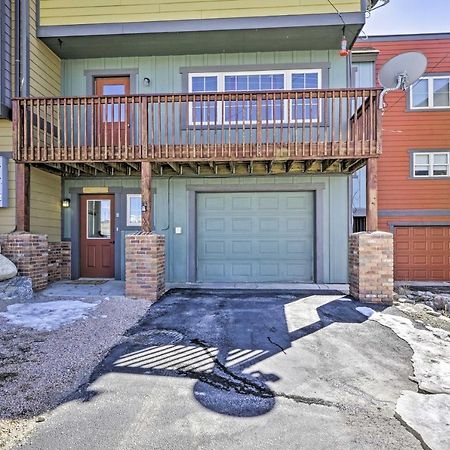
column 146, row 193
column 22, row 197
column 371, row 195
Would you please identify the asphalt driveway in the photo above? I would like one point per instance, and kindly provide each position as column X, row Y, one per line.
column 231, row 370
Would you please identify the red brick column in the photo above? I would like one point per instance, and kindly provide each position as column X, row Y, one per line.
column 371, row 267
column 29, row 252
column 54, row 261
column 144, row 266
column 66, row 260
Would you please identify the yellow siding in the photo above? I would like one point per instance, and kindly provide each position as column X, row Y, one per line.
column 45, row 66
column 45, row 204
column 70, row 12
column 8, row 215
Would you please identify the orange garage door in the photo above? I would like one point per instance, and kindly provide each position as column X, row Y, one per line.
column 422, row 253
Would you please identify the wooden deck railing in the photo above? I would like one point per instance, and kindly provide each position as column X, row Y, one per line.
column 315, row 124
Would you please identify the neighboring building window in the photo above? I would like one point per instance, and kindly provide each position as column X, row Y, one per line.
column 211, row 112
column 431, row 92
column 134, row 210
column 431, row 164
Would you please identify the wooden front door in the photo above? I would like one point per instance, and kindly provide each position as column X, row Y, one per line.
column 113, row 117
column 97, row 236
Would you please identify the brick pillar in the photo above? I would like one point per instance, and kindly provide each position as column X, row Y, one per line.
column 54, row 261
column 144, row 266
column 371, row 267
column 29, row 252
column 66, row 260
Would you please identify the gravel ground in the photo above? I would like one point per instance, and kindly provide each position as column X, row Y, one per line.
column 38, row 369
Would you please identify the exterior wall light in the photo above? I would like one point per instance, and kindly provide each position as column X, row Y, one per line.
column 66, row 203
column 146, row 81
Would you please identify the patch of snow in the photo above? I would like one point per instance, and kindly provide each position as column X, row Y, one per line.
column 431, row 347
column 365, row 311
column 427, row 417
column 47, row 316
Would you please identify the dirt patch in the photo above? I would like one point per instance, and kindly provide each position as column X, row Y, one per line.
column 39, row 369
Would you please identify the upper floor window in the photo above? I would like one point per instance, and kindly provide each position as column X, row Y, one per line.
column 431, row 164
column 431, row 92
column 210, row 111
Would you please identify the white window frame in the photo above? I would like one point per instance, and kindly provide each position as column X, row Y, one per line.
column 129, row 197
column 430, row 164
column 221, row 88
column 430, row 79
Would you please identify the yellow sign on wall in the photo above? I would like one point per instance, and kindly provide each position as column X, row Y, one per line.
column 96, row 190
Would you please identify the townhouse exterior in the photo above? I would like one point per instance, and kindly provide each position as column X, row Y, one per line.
column 190, row 143
column 414, row 169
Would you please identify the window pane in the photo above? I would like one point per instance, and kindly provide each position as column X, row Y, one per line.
column 113, row 89
column 422, row 159
column 440, row 170
column 421, row 171
column 440, row 158
column 134, row 210
column 420, row 94
column 99, row 219
column 441, row 91
column 305, row 81
column 204, row 84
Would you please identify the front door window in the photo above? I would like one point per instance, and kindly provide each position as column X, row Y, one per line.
column 99, row 219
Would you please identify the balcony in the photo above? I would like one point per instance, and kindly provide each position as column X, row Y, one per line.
column 318, row 130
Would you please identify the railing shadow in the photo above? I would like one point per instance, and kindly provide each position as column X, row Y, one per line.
column 216, row 340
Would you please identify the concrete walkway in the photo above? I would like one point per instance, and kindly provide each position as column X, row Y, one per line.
column 233, row 370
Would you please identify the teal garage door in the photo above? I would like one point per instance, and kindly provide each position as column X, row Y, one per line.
column 255, row 237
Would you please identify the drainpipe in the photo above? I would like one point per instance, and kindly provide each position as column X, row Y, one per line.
column 17, row 65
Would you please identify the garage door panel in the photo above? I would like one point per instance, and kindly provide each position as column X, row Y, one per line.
column 422, row 253
column 268, row 224
column 256, row 237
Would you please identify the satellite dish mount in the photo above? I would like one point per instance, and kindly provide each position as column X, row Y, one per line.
column 400, row 72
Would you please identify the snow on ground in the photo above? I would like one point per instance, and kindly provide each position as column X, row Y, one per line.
column 427, row 416
column 47, row 316
column 365, row 311
column 431, row 347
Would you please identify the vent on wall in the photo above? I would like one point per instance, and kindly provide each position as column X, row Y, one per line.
column 4, row 182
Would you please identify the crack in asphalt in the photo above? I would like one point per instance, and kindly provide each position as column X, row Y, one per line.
column 244, row 386
column 277, row 345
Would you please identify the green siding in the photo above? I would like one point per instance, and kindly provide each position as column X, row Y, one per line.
column 164, row 71
column 172, row 210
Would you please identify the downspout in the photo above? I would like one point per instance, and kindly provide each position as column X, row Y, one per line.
column 17, row 55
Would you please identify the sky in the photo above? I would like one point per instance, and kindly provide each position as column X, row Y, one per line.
column 410, row 17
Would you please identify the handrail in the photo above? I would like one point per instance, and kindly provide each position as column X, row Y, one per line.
column 221, row 126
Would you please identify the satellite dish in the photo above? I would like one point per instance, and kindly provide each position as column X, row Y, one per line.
column 401, row 71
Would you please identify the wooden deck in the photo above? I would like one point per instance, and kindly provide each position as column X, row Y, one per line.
column 325, row 125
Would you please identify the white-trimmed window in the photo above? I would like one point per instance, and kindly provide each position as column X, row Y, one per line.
column 217, row 113
column 431, row 92
column 431, row 164
column 134, row 211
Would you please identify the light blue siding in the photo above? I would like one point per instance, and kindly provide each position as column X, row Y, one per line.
column 172, row 210
column 164, row 71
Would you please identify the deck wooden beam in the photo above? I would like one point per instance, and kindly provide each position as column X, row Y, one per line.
column 371, row 194
column 146, row 196
column 23, row 197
